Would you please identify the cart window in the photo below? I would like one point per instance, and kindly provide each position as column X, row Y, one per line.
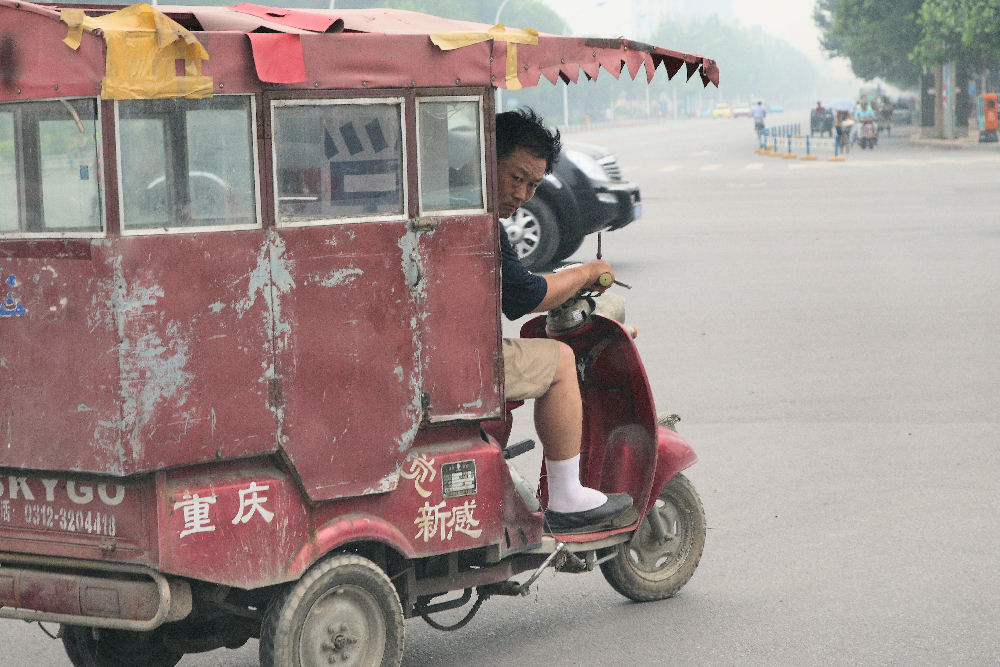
column 49, row 184
column 338, row 160
column 187, row 163
column 451, row 155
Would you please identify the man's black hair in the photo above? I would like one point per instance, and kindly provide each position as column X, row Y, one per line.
column 524, row 128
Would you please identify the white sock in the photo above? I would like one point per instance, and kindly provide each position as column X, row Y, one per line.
column 566, row 494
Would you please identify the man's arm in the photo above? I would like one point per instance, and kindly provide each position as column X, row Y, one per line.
column 564, row 284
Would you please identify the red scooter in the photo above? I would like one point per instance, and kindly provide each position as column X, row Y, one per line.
column 626, row 448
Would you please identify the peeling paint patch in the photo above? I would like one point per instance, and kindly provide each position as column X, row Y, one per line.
column 388, row 483
column 84, row 408
column 342, row 277
column 216, row 307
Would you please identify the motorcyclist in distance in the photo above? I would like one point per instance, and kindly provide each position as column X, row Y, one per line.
column 759, row 113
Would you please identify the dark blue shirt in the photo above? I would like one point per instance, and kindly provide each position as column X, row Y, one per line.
column 521, row 290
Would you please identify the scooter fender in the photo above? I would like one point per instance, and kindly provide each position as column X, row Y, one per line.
column 673, row 454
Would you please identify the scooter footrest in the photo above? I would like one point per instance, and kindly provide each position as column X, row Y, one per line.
column 518, row 448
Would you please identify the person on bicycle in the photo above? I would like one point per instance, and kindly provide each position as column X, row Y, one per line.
column 541, row 368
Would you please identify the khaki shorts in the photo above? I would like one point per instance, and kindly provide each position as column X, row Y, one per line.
column 529, row 367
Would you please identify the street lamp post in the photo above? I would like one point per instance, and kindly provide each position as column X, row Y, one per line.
column 499, row 95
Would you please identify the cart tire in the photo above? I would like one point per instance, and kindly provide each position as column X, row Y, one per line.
column 343, row 611
column 652, row 568
column 115, row 648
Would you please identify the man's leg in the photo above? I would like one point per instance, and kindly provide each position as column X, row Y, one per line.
column 559, row 424
column 545, row 370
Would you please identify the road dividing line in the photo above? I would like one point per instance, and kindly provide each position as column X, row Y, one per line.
column 711, row 167
column 669, row 167
column 755, row 165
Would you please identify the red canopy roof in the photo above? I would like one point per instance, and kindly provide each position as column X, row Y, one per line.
column 337, row 49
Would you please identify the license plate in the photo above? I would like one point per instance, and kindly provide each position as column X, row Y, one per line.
column 636, row 211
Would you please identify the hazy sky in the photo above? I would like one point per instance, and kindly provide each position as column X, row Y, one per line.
column 790, row 20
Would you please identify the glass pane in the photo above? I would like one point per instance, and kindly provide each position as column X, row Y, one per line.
column 70, row 184
column 220, row 182
column 142, row 158
column 338, row 160
column 187, row 163
column 450, row 135
column 8, row 174
column 48, row 156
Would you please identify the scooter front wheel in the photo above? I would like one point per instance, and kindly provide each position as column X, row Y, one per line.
column 664, row 552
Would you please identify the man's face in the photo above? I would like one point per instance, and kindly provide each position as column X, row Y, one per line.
column 518, row 176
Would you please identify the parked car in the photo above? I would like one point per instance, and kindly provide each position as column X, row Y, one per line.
column 722, row 110
column 585, row 193
column 902, row 111
column 741, row 111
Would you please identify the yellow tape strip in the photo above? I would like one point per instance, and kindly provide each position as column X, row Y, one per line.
column 143, row 45
column 448, row 41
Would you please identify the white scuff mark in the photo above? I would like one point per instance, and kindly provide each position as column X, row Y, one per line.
column 388, row 483
column 51, row 270
column 84, row 408
column 398, row 372
column 216, row 307
column 342, row 277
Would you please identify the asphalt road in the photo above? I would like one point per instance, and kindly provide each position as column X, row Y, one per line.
column 828, row 332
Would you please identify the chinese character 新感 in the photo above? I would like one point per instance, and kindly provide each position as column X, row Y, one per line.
column 431, row 520
column 252, row 503
column 462, row 520
column 421, row 470
column 196, row 518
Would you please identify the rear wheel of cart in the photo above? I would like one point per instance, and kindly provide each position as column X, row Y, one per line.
column 665, row 550
column 97, row 647
column 343, row 611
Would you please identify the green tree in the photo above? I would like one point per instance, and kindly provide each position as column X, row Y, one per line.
column 877, row 37
column 965, row 30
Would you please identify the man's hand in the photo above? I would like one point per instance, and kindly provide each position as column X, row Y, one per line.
column 567, row 282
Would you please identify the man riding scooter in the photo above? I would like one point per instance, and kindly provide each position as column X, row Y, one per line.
column 542, row 368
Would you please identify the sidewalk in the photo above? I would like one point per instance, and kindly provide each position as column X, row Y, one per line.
column 969, row 141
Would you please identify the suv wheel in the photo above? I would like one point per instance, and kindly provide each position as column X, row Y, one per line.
column 534, row 234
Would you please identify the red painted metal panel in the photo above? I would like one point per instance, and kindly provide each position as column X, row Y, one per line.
column 59, row 377
column 348, row 355
column 36, row 63
column 248, row 524
column 100, row 518
column 194, row 315
column 167, row 340
column 461, row 337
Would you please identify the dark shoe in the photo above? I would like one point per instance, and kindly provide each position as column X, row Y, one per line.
column 617, row 512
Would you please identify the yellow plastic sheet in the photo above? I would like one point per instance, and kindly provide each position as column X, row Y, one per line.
column 143, row 46
column 447, row 41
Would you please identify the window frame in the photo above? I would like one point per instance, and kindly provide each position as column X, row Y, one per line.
column 20, row 180
column 257, row 223
column 484, row 198
column 398, row 101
